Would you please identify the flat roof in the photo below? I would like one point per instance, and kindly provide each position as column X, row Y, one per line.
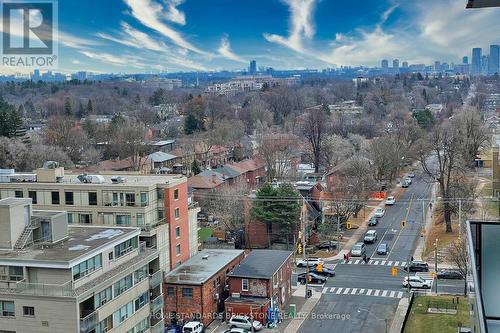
column 202, row 266
column 261, row 264
column 82, row 241
column 7, row 202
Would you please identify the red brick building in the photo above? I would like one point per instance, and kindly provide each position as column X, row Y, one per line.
column 195, row 289
column 261, row 281
column 176, row 213
column 255, row 171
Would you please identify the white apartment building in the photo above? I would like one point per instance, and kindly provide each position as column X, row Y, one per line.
column 56, row 278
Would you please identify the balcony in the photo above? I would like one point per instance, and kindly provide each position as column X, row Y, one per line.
column 156, row 279
column 45, row 289
column 88, row 323
column 154, row 225
column 157, row 304
column 157, row 326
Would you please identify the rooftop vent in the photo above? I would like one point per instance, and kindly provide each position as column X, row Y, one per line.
column 117, row 179
column 94, row 179
column 205, row 257
column 51, row 165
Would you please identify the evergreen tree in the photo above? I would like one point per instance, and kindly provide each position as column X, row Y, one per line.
column 195, row 167
column 190, row 124
column 67, row 107
column 90, row 109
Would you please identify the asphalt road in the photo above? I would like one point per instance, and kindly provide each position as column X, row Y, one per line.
column 363, row 297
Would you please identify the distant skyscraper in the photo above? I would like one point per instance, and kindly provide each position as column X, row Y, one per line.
column 253, row 67
column 465, row 60
column 476, row 61
column 484, row 65
column 405, row 64
column 385, row 64
column 395, row 63
column 437, row 66
column 36, row 75
column 494, row 60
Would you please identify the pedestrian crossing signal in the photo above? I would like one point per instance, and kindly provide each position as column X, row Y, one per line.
column 299, row 248
column 403, row 223
column 394, row 271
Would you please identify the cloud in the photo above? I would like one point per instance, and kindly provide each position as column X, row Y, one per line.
column 225, row 50
column 121, row 61
column 74, row 42
column 150, row 13
column 173, row 14
column 301, row 25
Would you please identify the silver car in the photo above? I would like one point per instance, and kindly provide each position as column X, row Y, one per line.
column 358, row 250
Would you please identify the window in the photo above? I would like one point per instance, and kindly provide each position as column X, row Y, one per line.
column 142, row 326
column 55, row 198
column 7, row 309
column 105, row 325
column 141, row 274
column 122, row 314
column 125, row 247
column 110, row 255
column 93, row 198
column 32, row 195
column 86, row 267
column 161, row 214
column 178, row 249
column 29, row 311
column 70, row 218
column 244, row 284
column 85, row 218
column 103, row 297
column 130, row 199
column 177, row 232
column 141, row 300
column 18, row 194
column 68, row 198
column 176, row 194
column 11, row 273
column 170, row 291
column 144, row 199
column 187, row 292
column 123, row 219
column 177, row 213
column 140, row 219
column 123, row 285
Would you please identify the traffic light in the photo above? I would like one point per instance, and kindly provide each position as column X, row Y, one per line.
column 403, row 223
column 299, row 248
column 319, row 268
column 394, row 271
column 348, row 225
column 433, row 275
column 309, row 278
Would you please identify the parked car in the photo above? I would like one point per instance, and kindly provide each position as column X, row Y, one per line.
column 408, row 180
column 244, row 322
column 382, row 249
column 358, row 250
column 328, row 272
column 417, row 282
column 193, row 327
column 379, row 212
column 390, row 201
column 417, row 266
column 311, row 262
column 405, row 184
column 373, row 221
column 370, row 236
column 313, row 278
column 449, row 274
column 327, row 245
column 236, row 330
column 411, row 175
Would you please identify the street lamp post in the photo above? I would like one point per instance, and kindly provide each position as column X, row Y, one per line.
column 436, row 264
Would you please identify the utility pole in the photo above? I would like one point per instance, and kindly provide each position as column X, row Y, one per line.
column 459, row 218
column 436, row 263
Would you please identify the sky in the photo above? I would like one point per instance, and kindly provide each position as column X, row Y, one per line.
column 133, row 36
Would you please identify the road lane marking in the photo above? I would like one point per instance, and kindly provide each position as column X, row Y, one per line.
column 369, row 292
column 389, row 263
column 376, row 262
column 371, row 261
column 361, row 291
column 346, row 291
column 376, row 292
column 339, row 291
column 354, row 290
column 384, row 293
column 401, row 229
column 356, row 262
column 332, row 290
column 396, row 263
column 392, row 293
column 400, row 294
column 383, row 262
column 349, row 262
column 324, row 290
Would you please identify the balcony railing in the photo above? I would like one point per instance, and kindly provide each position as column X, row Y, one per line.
column 157, row 326
column 88, row 323
column 45, row 289
column 149, row 227
column 157, row 304
column 156, row 279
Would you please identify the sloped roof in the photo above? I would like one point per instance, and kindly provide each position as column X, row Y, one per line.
column 250, row 165
column 160, row 156
column 229, row 171
column 261, row 264
column 200, row 182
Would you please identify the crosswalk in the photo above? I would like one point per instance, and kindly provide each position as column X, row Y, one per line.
column 363, row 292
column 374, row 262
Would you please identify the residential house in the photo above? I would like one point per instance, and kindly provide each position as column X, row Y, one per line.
column 202, row 185
column 254, row 171
column 161, row 162
column 260, row 285
column 196, row 289
column 231, row 174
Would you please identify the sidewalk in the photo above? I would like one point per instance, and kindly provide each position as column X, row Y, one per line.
column 306, row 309
column 419, row 250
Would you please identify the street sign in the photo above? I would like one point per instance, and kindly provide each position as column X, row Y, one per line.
column 394, row 271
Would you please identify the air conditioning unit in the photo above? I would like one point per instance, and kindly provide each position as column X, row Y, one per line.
column 235, row 295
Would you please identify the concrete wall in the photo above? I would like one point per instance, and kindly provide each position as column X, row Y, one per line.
column 50, row 275
column 193, row 230
column 12, row 222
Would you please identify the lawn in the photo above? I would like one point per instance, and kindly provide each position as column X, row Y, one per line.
column 491, row 205
column 419, row 321
column 204, row 233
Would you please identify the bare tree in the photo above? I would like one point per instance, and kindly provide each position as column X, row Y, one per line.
column 457, row 254
column 276, row 151
column 315, row 128
column 383, row 153
column 128, row 140
column 473, row 133
column 336, row 149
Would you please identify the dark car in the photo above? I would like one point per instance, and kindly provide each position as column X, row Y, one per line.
column 405, row 184
column 417, row 266
column 327, row 245
column 325, row 272
column 313, row 278
column 373, row 221
column 449, row 274
column 382, row 248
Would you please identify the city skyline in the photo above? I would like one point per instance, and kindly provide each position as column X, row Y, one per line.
column 152, row 36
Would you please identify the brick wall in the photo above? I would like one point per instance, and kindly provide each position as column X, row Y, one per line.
column 182, row 222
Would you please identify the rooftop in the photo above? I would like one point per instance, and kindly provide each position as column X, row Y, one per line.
column 261, row 264
column 160, row 156
column 202, row 266
column 81, row 241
